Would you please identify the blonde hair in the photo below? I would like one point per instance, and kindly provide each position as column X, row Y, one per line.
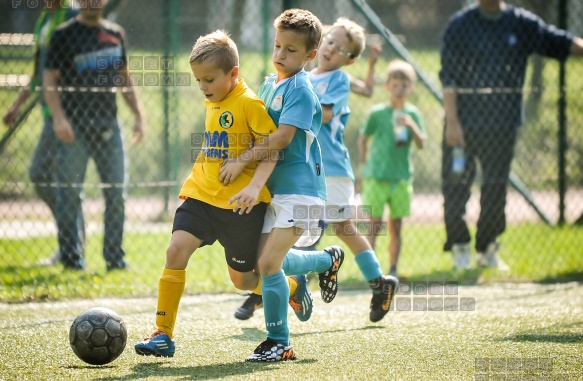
column 400, row 69
column 216, row 47
column 354, row 33
column 303, row 22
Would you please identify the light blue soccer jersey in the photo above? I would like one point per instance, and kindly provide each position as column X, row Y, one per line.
column 299, row 170
column 332, row 88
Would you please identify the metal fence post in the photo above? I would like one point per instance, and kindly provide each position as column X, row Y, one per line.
column 562, row 119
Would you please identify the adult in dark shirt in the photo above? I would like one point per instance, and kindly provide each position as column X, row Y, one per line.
column 483, row 56
column 43, row 167
column 86, row 65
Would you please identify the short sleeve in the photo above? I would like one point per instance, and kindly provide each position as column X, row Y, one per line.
column 337, row 93
column 56, row 53
column 299, row 107
column 259, row 121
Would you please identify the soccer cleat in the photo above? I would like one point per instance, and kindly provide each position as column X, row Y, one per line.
column 159, row 345
column 246, row 310
column 461, row 256
column 270, row 350
column 329, row 278
column 301, row 301
column 382, row 295
column 491, row 259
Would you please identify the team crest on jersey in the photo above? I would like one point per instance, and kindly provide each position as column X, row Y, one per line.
column 321, row 88
column 277, row 103
column 512, row 40
column 226, row 120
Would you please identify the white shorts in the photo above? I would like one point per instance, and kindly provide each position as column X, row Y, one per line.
column 340, row 205
column 288, row 210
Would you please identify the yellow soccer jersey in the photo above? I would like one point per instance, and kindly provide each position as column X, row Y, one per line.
column 231, row 127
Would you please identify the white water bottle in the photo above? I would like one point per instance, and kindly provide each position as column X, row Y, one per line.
column 458, row 162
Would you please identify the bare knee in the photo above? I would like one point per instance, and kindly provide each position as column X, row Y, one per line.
column 244, row 281
column 176, row 257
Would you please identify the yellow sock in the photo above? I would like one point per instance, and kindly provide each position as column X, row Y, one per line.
column 170, row 290
column 257, row 290
column 293, row 285
column 292, row 282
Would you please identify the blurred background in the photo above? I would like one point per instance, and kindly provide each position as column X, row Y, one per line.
column 544, row 239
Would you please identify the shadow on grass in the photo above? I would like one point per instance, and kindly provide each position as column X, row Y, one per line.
column 466, row 277
column 564, row 277
column 546, row 338
column 255, row 334
column 204, row 372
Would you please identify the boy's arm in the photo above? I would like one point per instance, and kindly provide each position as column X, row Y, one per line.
column 268, row 148
column 366, row 87
column 132, row 99
column 327, row 113
column 418, row 135
column 245, row 200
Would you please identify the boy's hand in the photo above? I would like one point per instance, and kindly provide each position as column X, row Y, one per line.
column 374, row 54
column 230, row 170
column 245, row 199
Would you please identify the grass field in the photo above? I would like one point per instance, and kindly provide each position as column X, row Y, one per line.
column 534, row 251
column 536, row 326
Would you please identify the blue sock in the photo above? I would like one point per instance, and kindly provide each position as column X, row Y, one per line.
column 368, row 264
column 275, row 291
column 300, row 262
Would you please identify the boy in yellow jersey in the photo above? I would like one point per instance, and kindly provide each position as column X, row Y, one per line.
column 235, row 118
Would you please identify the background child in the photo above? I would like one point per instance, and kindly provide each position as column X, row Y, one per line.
column 388, row 170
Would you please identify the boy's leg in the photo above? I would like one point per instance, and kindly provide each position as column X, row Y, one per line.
column 395, row 244
column 275, row 290
column 192, row 229
column 170, row 290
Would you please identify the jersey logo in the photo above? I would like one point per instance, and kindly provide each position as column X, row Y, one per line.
column 512, row 40
column 321, row 88
column 277, row 103
column 226, row 120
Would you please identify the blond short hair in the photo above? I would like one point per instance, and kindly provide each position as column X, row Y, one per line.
column 354, row 33
column 216, row 47
column 303, row 22
column 400, row 69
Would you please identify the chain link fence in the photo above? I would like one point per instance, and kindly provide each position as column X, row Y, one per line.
column 545, row 197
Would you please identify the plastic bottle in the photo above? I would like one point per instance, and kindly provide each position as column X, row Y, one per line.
column 458, row 162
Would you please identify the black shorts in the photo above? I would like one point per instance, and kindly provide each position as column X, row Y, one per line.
column 238, row 234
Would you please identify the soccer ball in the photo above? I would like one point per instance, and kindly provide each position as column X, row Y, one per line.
column 98, row 336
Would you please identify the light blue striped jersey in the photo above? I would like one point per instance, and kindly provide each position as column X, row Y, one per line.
column 293, row 101
column 332, row 88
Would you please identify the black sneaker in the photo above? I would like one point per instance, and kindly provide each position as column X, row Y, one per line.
column 270, row 350
column 329, row 278
column 246, row 310
column 382, row 295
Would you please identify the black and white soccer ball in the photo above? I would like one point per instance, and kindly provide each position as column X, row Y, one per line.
column 98, row 336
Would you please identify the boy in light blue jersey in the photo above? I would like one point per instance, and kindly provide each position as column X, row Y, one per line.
column 297, row 183
column 341, row 46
